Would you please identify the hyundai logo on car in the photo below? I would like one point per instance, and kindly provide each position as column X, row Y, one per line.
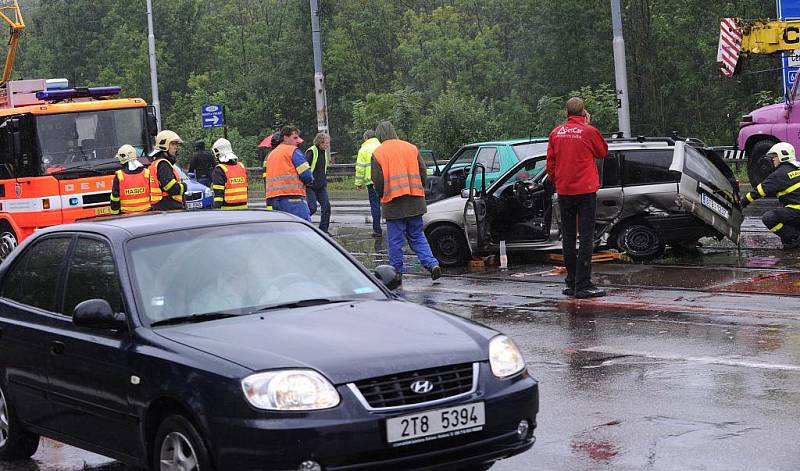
column 422, row 387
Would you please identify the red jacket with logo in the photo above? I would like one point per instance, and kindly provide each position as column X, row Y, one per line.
column 571, row 151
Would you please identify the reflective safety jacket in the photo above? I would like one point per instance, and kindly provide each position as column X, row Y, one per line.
column 170, row 190
column 363, row 170
column 783, row 182
column 399, row 162
column 229, row 182
column 285, row 174
column 130, row 192
column 320, row 171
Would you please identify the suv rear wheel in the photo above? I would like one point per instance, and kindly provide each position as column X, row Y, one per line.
column 640, row 241
column 16, row 443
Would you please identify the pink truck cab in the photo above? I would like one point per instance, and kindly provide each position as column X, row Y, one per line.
column 762, row 128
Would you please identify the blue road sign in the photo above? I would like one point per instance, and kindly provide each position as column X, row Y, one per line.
column 789, row 10
column 212, row 116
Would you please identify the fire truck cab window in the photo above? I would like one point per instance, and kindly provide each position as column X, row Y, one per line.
column 88, row 138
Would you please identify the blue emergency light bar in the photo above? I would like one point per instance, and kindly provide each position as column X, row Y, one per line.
column 78, row 92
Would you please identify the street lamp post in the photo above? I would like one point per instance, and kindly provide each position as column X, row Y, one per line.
column 620, row 71
column 319, row 76
column 151, row 45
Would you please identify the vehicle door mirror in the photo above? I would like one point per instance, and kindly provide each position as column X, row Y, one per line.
column 465, row 193
column 97, row 314
column 152, row 122
column 388, row 276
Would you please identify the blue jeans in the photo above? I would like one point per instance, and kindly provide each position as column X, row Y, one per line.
column 398, row 230
column 320, row 195
column 291, row 204
column 375, row 208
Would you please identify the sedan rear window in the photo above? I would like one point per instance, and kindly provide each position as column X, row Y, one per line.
column 240, row 269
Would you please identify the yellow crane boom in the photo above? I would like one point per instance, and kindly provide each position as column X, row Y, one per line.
column 11, row 14
column 739, row 38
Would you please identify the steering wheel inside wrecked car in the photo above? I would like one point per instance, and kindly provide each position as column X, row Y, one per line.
column 523, row 193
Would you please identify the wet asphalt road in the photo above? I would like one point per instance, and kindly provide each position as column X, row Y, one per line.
column 692, row 362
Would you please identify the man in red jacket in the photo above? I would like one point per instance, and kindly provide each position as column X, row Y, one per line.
column 571, row 152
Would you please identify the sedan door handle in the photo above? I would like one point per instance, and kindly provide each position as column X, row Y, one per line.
column 609, row 203
column 57, row 348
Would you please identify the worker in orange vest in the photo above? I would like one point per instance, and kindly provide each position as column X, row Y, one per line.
column 287, row 174
column 130, row 190
column 398, row 173
column 166, row 187
column 229, row 177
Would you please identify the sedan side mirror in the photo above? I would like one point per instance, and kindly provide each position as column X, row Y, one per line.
column 465, row 193
column 97, row 314
column 388, row 276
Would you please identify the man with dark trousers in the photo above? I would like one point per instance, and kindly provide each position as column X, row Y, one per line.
column 783, row 183
column 571, row 152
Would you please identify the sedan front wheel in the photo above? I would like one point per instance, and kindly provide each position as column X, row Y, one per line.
column 179, row 447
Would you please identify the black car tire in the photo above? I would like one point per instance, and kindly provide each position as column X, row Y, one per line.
column 177, row 439
column 757, row 166
column 16, row 443
column 448, row 245
column 640, row 242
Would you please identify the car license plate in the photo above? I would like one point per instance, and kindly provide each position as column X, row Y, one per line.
column 194, row 204
column 714, row 206
column 435, row 424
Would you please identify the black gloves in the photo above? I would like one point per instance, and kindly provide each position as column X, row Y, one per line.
column 744, row 202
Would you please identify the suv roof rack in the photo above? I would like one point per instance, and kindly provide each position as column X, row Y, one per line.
column 670, row 141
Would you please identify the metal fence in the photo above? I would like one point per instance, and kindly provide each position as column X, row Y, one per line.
column 255, row 178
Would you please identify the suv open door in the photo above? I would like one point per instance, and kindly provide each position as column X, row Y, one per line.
column 706, row 191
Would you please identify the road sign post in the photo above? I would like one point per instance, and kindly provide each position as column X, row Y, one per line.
column 789, row 10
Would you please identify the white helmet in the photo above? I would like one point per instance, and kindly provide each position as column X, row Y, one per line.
column 126, row 153
column 223, row 151
column 783, row 150
column 165, row 138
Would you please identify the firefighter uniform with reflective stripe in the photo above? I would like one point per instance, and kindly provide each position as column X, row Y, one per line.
column 130, row 191
column 783, row 183
column 286, row 175
column 166, row 188
column 229, row 181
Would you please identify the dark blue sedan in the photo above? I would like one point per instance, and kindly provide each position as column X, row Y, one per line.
column 243, row 340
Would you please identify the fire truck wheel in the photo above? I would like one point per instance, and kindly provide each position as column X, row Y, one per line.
column 8, row 241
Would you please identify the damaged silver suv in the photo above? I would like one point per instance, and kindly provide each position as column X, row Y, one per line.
column 653, row 192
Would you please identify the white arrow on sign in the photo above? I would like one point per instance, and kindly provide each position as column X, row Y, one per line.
column 213, row 119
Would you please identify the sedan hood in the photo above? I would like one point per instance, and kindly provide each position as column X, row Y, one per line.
column 345, row 341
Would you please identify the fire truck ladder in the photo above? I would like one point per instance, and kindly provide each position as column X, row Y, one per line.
column 11, row 14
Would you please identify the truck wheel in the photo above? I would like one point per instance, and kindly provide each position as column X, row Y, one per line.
column 179, row 447
column 16, row 443
column 757, row 166
column 640, row 242
column 8, row 240
column 448, row 245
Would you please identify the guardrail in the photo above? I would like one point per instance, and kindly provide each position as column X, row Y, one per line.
column 255, row 177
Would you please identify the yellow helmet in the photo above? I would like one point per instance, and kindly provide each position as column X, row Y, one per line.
column 223, row 151
column 126, row 153
column 165, row 138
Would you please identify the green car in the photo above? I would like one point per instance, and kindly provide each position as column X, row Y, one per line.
column 495, row 156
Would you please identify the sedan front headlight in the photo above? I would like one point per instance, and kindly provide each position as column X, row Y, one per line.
column 290, row 390
column 209, row 192
column 504, row 357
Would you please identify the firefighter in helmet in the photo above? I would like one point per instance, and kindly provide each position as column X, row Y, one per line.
column 229, row 178
column 783, row 183
column 166, row 188
column 130, row 190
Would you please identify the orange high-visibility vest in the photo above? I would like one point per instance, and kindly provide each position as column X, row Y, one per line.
column 156, row 194
column 134, row 191
column 281, row 177
column 399, row 161
column 235, row 186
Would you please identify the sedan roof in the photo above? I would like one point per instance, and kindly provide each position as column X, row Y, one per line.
column 151, row 223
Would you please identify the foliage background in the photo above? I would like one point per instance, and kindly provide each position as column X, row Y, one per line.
column 446, row 72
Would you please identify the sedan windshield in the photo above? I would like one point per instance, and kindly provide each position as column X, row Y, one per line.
column 241, row 269
column 89, row 138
